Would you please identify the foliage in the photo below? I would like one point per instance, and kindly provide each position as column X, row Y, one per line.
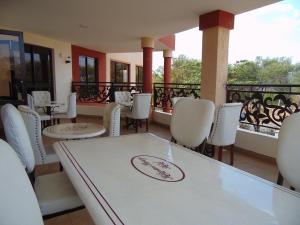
column 184, row 70
column 260, row 71
column 263, row 71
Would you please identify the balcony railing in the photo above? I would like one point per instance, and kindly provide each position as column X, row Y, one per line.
column 102, row 92
column 163, row 93
column 265, row 105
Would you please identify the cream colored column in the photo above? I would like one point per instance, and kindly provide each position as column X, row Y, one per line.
column 216, row 26
column 214, row 69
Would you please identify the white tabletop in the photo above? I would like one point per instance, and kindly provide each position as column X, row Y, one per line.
column 52, row 104
column 142, row 179
column 74, row 130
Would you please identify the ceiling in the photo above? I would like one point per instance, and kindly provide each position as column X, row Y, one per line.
column 113, row 25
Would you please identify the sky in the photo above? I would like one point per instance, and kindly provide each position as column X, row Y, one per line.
column 271, row 31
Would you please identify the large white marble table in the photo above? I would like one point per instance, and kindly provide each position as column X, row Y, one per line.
column 74, row 130
column 142, row 179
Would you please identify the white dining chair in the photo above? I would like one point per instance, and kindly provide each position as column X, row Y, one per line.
column 71, row 112
column 30, row 102
column 140, row 110
column 42, row 154
column 18, row 203
column 226, row 122
column 111, row 119
column 288, row 151
column 174, row 100
column 191, row 121
column 44, row 117
column 123, row 97
column 54, row 191
column 41, row 98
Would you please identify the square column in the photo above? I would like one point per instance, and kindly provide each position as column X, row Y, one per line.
column 216, row 27
column 167, row 78
column 147, row 44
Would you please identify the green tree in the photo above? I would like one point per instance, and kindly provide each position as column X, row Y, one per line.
column 276, row 70
column 184, row 70
column 266, row 71
column 244, row 71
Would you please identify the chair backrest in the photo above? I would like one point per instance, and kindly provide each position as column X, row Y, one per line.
column 17, row 136
column 30, row 101
column 32, row 122
column 226, row 121
column 288, row 150
column 141, row 106
column 72, row 111
column 41, row 97
column 122, row 96
column 191, row 121
column 174, row 100
column 111, row 119
column 18, row 204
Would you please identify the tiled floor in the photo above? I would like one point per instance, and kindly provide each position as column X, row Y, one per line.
column 260, row 166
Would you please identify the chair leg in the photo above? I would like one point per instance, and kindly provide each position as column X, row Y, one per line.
column 136, row 125
column 220, row 153
column 140, row 122
column 213, row 150
column 58, row 121
column 127, row 123
column 147, row 125
column 231, row 155
column 280, row 179
column 292, row 188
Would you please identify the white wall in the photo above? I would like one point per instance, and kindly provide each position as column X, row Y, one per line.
column 252, row 141
column 62, row 71
column 134, row 59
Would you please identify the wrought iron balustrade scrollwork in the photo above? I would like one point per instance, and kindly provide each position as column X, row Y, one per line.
column 102, row 92
column 163, row 93
column 265, row 105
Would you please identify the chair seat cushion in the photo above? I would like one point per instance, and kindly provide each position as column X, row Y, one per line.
column 44, row 116
column 61, row 116
column 55, row 193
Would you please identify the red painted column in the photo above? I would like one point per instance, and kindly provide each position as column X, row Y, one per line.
column 147, row 69
column 147, row 45
column 167, row 79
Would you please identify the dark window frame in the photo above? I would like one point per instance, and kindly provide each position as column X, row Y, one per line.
column 36, row 84
column 139, row 77
column 113, row 72
column 96, row 67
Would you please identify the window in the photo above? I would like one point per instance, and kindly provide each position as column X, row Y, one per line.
column 88, row 69
column 39, row 69
column 119, row 72
column 11, row 61
column 139, row 74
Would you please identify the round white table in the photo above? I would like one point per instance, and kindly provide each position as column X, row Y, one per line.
column 74, row 130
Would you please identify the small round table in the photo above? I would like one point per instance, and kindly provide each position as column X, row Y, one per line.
column 74, row 130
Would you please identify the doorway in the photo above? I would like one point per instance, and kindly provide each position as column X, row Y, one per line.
column 39, row 69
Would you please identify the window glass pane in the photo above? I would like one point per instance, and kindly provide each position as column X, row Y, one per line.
column 139, row 74
column 10, row 61
column 82, row 68
column 119, row 72
column 28, row 67
column 91, row 69
column 37, row 67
